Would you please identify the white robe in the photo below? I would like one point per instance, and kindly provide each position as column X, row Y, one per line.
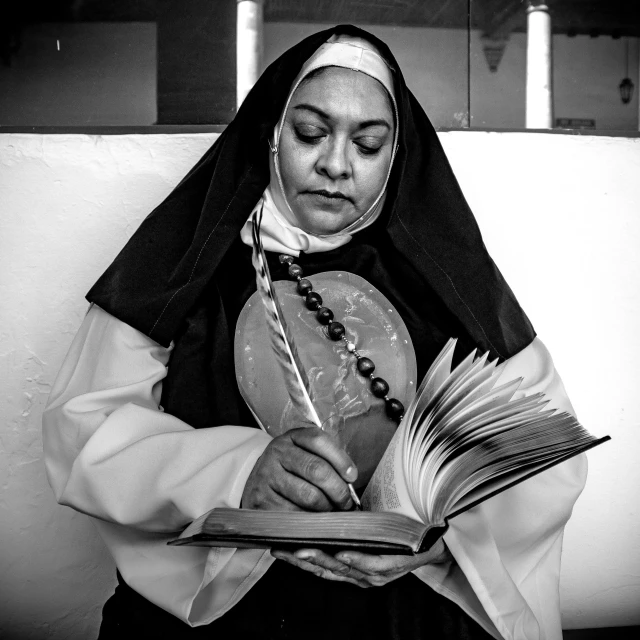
column 113, row 454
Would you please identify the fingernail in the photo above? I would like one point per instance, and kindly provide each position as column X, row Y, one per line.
column 304, row 555
column 351, row 473
column 345, row 559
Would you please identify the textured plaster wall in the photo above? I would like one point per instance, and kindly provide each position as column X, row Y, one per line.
column 559, row 214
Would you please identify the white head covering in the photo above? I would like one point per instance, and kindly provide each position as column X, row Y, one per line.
column 278, row 231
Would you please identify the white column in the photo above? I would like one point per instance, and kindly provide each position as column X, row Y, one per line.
column 539, row 108
column 249, row 46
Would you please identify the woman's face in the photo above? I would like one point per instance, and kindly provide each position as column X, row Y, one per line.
column 335, row 148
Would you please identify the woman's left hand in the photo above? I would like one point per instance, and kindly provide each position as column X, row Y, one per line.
column 362, row 569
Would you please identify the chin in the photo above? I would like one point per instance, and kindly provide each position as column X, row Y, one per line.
column 322, row 223
column 325, row 230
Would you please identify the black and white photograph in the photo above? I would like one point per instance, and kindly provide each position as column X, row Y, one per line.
column 319, row 320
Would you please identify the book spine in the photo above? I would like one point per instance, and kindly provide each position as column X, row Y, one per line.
column 431, row 536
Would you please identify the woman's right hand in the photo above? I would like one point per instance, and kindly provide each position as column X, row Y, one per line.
column 301, row 470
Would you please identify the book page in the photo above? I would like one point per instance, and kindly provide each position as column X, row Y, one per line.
column 494, row 486
column 387, row 490
column 463, row 439
column 434, row 379
column 503, row 450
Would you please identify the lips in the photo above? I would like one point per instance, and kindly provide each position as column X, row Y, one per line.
column 331, row 195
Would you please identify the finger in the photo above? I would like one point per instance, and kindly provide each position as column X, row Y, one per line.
column 272, row 486
column 330, row 563
column 438, row 553
column 374, row 565
column 302, row 494
column 318, row 473
column 304, row 564
column 275, row 493
column 393, row 565
column 317, row 570
column 325, row 446
column 276, row 502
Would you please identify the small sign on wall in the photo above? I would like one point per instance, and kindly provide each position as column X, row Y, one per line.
column 575, row 123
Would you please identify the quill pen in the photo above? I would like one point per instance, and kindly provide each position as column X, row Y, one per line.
column 284, row 347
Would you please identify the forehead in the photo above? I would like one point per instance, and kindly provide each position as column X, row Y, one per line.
column 345, row 93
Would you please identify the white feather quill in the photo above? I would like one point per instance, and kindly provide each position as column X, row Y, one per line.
column 284, row 348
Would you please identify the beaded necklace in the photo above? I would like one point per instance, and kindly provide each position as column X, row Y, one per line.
column 336, row 331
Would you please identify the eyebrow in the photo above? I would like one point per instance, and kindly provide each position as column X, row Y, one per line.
column 325, row 116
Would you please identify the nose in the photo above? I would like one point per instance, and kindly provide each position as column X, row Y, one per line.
column 333, row 160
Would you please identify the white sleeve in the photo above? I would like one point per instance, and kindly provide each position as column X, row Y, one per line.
column 112, row 453
column 507, row 550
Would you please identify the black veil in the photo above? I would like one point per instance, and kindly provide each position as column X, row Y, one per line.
column 159, row 275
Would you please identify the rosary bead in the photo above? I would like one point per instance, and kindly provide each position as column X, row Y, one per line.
column 394, row 408
column 379, row 387
column 365, row 366
column 304, row 286
column 324, row 315
column 336, row 330
column 295, row 271
column 313, row 301
column 285, row 259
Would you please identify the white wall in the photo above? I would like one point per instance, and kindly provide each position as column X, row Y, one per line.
column 560, row 216
column 587, row 72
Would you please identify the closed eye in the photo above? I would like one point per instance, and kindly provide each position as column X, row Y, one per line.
column 369, row 145
column 308, row 133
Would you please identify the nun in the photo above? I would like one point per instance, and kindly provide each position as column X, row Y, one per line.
column 155, row 416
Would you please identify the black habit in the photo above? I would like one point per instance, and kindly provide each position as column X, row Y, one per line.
column 185, row 275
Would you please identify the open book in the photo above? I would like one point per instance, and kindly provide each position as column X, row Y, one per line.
column 462, row 440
